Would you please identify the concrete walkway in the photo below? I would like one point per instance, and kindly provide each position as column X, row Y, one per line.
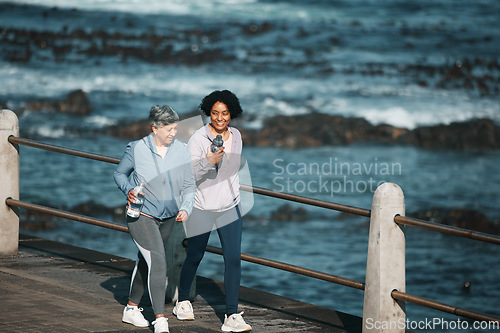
column 54, row 287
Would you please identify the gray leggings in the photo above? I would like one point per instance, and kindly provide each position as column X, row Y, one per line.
column 150, row 236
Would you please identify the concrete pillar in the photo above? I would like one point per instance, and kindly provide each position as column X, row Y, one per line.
column 175, row 254
column 9, row 184
column 385, row 268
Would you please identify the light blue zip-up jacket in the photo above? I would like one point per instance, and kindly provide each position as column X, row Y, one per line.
column 169, row 181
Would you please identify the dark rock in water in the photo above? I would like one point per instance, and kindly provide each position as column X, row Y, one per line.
column 142, row 128
column 284, row 213
column 76, row 103
column 34, row 221
column 36, row 225
column 476, row 133
column 461, row 218
column 100, row 211
column 317, row 129
column 30, row 223
column 287, row 213
column 136, row 130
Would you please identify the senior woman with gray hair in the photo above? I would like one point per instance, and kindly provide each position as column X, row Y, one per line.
column 163, row 165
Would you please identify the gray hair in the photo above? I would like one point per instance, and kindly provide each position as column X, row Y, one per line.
column 162, row 115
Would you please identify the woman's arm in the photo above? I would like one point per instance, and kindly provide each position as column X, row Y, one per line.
column 188, row 186
column 201, row 165
column 123, row 171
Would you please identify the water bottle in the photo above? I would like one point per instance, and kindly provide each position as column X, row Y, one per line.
column 216, row 143
column 134, row 209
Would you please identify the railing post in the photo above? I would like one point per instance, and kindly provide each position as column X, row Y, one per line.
column 385, row 267
column 9, row 184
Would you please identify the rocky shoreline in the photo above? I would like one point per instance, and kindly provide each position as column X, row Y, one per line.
column 316, row 129
column 310, row 130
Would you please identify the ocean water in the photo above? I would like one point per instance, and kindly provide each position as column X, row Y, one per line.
column 405, row 63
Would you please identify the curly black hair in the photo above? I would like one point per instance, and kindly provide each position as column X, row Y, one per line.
column 224, row 96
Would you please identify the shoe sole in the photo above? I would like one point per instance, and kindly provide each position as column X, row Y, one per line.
column 226, row 329
column 128, row 322
column 183, row 318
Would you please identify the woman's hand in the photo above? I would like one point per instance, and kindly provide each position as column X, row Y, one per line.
column 214, row 158
column 181, row 216
column 131, row 197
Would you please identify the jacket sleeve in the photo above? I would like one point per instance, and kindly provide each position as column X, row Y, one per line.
column 123, row 171
column 201, row 166
column 188, row 186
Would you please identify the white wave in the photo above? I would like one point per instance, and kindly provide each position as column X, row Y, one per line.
column 101, row 121
column 279, row 107
column 395, row 116
column 262, row 95
column 434, row 115
column 49, row 132
column 218, row 8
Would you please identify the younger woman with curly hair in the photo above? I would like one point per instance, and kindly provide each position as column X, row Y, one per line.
column 216, row 205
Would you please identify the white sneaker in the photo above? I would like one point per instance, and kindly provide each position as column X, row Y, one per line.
column 161, row 325
column 235, row 323
column 183, row 310
column 132, row 315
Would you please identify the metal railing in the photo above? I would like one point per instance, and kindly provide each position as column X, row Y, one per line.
column 396, row 295
column 464, row 233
